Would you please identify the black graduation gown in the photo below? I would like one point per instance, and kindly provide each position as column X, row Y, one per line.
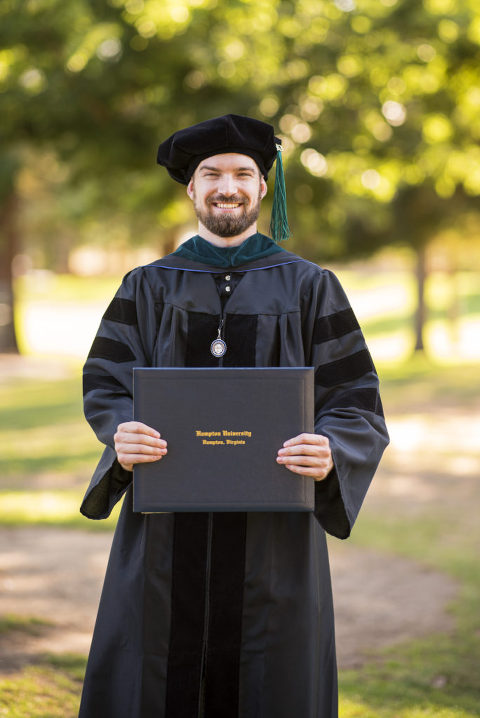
column 226, row 615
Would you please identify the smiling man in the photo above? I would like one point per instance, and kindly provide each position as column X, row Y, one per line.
column 226, row 615
column 226, row 195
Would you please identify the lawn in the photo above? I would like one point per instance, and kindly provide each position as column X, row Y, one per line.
column 47, row 453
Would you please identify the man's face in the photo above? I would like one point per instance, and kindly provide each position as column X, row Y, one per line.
column 226, row 191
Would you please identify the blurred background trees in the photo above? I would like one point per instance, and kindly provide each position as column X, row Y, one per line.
column 377, row 103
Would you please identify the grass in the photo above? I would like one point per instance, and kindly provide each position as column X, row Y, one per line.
column 65, row 288
column 436, row 676
column 49, row 689
column 48, row 416
column 49, row 508
column 47, row 453
column 421, row 383
column 30, row 625
column 45, row 443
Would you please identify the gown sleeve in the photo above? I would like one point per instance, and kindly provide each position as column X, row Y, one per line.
column 125, row 339
column 348, row 409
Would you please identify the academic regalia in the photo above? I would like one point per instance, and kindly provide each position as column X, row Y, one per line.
column 226, row 615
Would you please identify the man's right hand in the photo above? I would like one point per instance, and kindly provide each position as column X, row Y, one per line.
column 137, row 443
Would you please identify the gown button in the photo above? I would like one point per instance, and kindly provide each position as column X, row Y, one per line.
column 227, row 277
column 228, row 288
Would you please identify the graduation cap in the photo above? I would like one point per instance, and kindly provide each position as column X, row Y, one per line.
column 183, row 151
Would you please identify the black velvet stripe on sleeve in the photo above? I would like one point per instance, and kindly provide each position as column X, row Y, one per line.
column 91, row 382
column 121, row 310
column 366, row 398
column 344, row 370
column 104, row 348
column 334, row 326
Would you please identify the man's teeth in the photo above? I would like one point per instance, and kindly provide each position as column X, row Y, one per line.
column 225, row 205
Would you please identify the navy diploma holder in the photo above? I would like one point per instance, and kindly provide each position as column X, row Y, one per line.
column 223, row 427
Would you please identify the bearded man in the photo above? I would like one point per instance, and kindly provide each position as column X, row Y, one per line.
column 226, row 615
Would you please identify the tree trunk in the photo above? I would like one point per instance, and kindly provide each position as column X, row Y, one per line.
column 8, row 249
column 421, row 311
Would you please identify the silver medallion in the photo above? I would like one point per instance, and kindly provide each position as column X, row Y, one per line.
column 218, row 348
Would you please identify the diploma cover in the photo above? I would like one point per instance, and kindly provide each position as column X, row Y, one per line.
column 224, row 427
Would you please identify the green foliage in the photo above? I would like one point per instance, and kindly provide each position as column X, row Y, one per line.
column 376, row 101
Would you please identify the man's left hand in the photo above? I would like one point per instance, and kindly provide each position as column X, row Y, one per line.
column 307, row 454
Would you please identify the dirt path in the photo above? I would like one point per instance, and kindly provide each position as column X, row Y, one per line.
column 56, row 574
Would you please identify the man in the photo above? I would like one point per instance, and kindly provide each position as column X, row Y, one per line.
column 226, row 614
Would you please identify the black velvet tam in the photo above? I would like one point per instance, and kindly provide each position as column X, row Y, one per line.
column 184, row 150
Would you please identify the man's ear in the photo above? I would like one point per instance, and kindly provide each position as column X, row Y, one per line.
column 190, row 189
column 263, row 187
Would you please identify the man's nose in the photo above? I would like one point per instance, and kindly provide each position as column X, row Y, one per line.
column 227, row 185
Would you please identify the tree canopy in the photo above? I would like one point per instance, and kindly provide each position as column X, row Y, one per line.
column 377, row 103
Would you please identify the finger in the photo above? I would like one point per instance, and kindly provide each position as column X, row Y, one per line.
column 303, row 461
column 125, row 448
column 311, row 449
column 306, row 471
column 137, row 427
column 132, row 459
column 317, row 439
column 124, row 438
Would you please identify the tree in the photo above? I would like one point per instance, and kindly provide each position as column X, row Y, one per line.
column 376, row 102
column 98, row 83
column 396, row 139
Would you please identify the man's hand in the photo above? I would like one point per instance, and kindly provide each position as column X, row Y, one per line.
column 307, row 454
column 137, row 443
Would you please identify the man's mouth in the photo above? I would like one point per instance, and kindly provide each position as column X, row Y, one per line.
column 227, row 205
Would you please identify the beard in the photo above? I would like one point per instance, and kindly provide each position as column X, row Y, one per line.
column 228, row 225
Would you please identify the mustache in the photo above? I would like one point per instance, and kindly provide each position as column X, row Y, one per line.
column 236, row 198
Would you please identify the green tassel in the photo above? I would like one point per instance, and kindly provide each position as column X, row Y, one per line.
column 279, row 228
